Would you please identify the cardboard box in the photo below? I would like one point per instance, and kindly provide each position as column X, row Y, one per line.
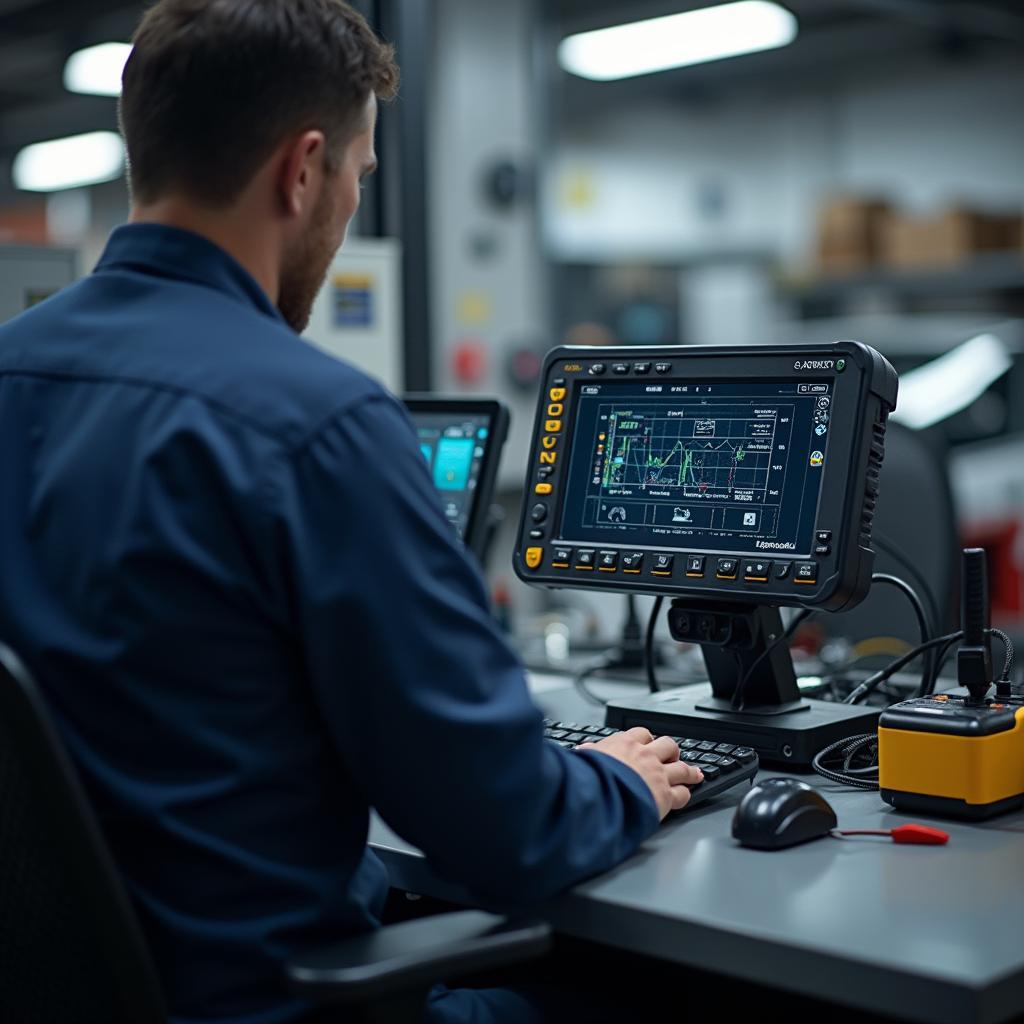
column 956, row 236
column 849, row 233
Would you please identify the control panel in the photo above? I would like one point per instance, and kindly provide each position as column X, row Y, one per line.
column 708, row 471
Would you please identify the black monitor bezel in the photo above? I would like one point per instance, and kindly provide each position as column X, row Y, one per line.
column 475, row 535
column 867, row 392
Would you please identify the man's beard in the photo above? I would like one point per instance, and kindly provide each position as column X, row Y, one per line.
column 304, row 268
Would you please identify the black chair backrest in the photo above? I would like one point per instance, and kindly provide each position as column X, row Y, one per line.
column 917, row 518
column 71, row 951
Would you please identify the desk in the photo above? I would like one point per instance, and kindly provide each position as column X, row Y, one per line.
column 927, row 933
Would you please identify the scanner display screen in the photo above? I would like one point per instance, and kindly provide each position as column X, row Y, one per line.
column 729, row 466
column 454, row 446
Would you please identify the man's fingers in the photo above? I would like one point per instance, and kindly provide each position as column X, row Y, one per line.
column 639, row 733
column 666, row 775
column 680, row 797
column 681, row 774
column 666, row 748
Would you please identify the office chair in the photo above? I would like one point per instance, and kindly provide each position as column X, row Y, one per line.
column 71, row 951
column 915, row 522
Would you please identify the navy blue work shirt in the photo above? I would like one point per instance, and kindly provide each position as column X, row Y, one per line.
column 224, row 559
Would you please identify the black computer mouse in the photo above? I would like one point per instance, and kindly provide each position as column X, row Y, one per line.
column 777, row 813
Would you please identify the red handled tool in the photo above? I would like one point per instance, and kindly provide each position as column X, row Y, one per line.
column 919, row 835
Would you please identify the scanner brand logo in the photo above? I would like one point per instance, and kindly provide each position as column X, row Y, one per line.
column 814, row 364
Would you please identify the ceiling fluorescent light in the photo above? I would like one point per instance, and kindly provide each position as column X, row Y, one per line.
column 693, row 37
column 947, row 385
column 69, row 163
column 96, row 70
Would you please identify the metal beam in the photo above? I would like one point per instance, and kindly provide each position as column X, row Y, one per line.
column 975, row 19
column 371, row 209
column 409, row 25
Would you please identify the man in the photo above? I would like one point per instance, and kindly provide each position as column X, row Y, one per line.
column 225, row 561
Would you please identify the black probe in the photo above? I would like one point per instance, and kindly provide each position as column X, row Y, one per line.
column 974, row 659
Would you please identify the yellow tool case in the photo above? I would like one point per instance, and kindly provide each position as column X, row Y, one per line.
column 947, row 756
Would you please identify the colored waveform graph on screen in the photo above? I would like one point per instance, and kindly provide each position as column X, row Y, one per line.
column 688, row 456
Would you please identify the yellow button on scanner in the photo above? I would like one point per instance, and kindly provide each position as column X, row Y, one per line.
column 548, row 458
column 557, row 394
column 549, row 442
column 553, row 426
column 533, row 557
column 542, row 489
column 556, row 409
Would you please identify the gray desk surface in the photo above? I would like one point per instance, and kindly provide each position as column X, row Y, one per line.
column 929, row 933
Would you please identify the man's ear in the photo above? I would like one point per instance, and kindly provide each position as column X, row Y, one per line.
column 300, row 169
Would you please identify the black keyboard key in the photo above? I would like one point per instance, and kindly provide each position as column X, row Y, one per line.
column 723, row 765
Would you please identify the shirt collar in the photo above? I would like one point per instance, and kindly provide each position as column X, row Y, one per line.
column 177, row 253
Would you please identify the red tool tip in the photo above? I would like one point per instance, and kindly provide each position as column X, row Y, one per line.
column 920, row 834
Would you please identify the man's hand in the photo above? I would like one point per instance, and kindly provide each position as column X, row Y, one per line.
column 656, row 761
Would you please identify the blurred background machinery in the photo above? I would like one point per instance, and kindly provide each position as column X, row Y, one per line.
column 860, row 174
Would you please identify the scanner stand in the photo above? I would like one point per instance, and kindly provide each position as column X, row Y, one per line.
column 753, row 699
column 749, row 672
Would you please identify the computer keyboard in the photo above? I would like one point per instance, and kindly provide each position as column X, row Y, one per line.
column 723, row 764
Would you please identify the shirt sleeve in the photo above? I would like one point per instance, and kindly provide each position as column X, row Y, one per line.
column 425, row 702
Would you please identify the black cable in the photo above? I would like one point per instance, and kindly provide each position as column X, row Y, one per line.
column 940, row 661
column 872, row 681
column 579, row 680
column 848, row 748
column 854, row 745
column 943, row 654
column 929, row 669
column 804, row 614
column 1007, row 663
column 652, row 621
column 922, row 621
column 937, row 620
column 801, row 616
column 1008, row 650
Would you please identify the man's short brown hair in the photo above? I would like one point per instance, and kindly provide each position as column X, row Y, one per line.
column 212, row 87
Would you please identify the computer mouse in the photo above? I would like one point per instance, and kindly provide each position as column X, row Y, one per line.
column 777, row 813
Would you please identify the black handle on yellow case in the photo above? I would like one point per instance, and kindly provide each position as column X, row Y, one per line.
column 974, row 659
